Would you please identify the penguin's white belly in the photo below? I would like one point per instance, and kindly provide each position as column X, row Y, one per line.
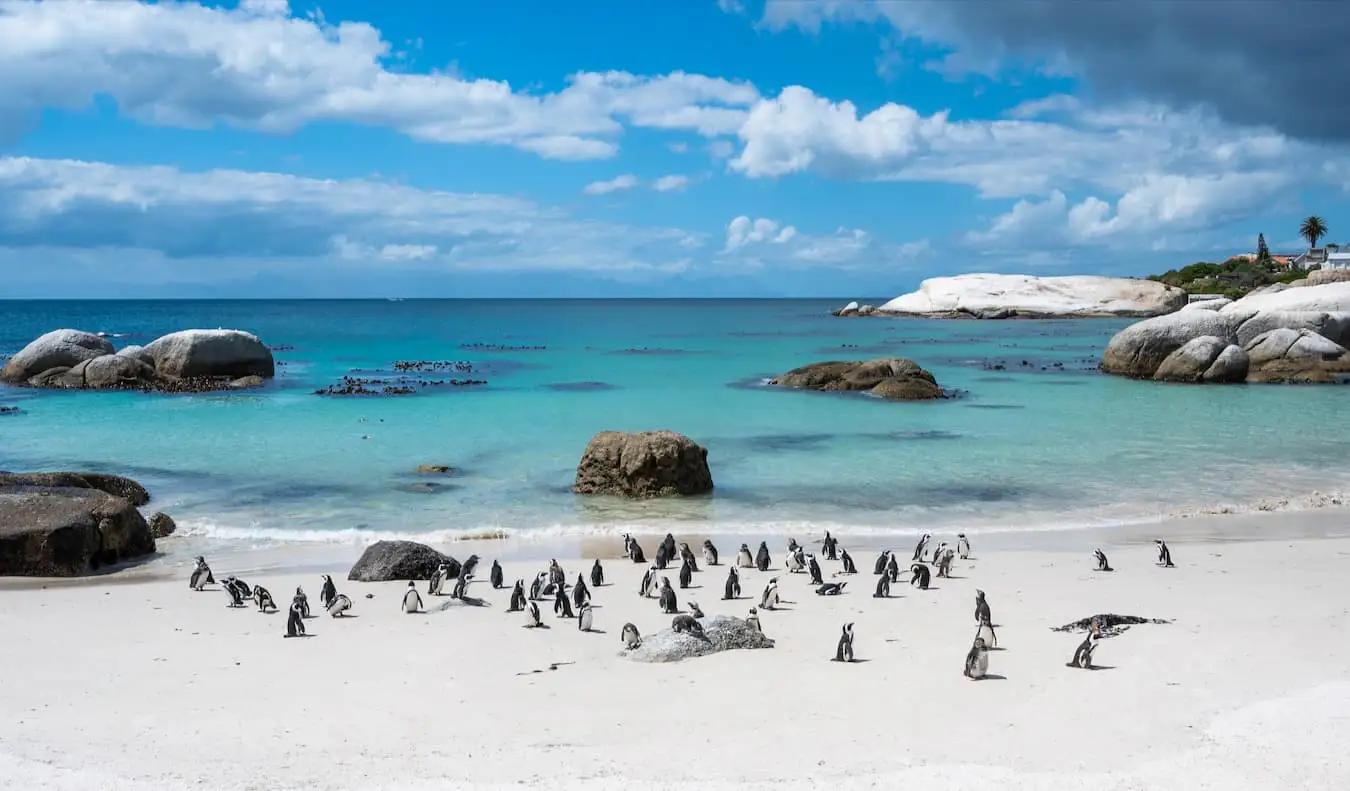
column 745, row 561
column 981, row 665
column 986, row 634
column 410, row 604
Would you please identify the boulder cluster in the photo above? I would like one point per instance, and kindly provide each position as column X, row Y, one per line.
column 187, row 361
column 892, row 378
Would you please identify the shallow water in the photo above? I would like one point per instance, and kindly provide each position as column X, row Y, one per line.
column 1035, row 438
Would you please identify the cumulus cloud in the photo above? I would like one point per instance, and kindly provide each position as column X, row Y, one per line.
column 742, row 231
column 625, row 182
column 671, row 183
column 762, row 241
column 258, row 67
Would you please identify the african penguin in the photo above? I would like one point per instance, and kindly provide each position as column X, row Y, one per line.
column 944, row 563
column 880, row 566
column 1164, row 554
column 814, row 568
column 744, row 559
column 733, row 586
column 437, row 580
column 517, row 597
column 982, row 612
column 844, row 652
column 629, row 635
column 752, row 620
column 668, row 603
column 495, row 575
column 585, row 617
column 920, row 576
column 597, row 574
column 687, row 555
column 201, row 575
column 686, row 624
column 986, row 633
column 893, row 569
column 461, row 585
column 669, row 543
column 561, row 606
column 469, row 567
column 263, row 598
column 962, row 546
column 328, row 592
column 555, row 573
column 232, row 591
column 921, row 546
column 686, row 574
column 662, row 557
column 1082, row 656
column 634, row 549
column 883, row 587
column 792, row 545
column 537, row 587
column 412, row 600
column 709, row 553
column 829, row 547
column 694, row 609
column 796, row 561
column 532, row 615
column 295, row 624
column 648, row 581
column 977, row 660
column 340, row 605
column 580, row 593
column 832, row 588
column 302, row 600
column 762, row 557
column 1102, row 563
column 849, row 566
column 769, row 600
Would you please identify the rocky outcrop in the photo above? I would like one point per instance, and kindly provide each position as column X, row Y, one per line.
column 188, row 361
column 115, row 485
column 1319, row 277
column 399, row 560
column 643, row 464
column 991, row 296
column 720, row 633
column 893, row 378
column 67, row 531
column 161, row 525
column 1294, row 335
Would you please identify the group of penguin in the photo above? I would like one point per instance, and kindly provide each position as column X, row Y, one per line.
column 238, row 591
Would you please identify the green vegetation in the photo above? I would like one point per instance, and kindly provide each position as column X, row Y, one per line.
column 1234, row 278
column 1312, row 229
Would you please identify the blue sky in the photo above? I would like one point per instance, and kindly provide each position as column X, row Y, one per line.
column 663, row 148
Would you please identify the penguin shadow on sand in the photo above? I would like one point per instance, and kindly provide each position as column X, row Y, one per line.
column 992, row 677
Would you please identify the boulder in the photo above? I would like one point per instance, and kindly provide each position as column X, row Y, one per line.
column 1230, row 366
column 433, row 469
column 59, row 531
column 56, row 349
column 643, row 464
column 893, row 378
column 1333, row 325
column 137, row 352
column 228, row 354
column 161, row 525
column 1208, row 304
column 721, row 633
column 1318, row 277
column 851, row 309
column 248, row 382
column 399, row 560
column 1024, row 296
column 115, row 485
column 113, row 371
column 1139, row 349
column 1296, row 356
column 1190, row 362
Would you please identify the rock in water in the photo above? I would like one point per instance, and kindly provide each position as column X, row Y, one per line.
column 56, row 349
column 116, row 485
column 643, row 464
column 892, row 378
column 231, row 354
column 989, row 296
column 161, row 525
column 721, row 633
column 64, row 531
column 399, row 560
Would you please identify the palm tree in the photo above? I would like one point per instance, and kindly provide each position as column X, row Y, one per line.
column 1312, row 229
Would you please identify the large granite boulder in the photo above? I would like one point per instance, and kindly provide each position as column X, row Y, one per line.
column 56, row 349
column 1139, row 349
column 60, row 531
column 643, row 464
column 893, row 378
column 161, row 525
column 111, row 371
column 1297, row 357
column 228, row 354
column 720, row 633
column 399, row 560
column 994, row 296
column 116, row 485
column 1319, row 277
column 1196, row 362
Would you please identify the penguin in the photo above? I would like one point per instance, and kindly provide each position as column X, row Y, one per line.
column 668, row 604
column 844, row 653
column 555, row 573
column 1082, row 656
column 883, row 590
column 437, row 580
column 686, row 574
column 694, row 609
column 561, row 606
column 495, row 575
column 302, row 600
column 687, row 555
column 796, row 561
column 662, row 557
column 517, row 597
column 532, row 619
column 580, row 593
column 340, row 605
column 832, row 588
column 1102, row 563
column 669, row 543
column 944, row 562
column 585, row 617
column 686, row 624
column 829, row 547
column 732, row 590
column 245, row 592
column 893, row 569
column 769, row 600
column 263, row 598
column 849, row 567
column 634, row 549
column 744, row 559
column 921, row 576
column 1164, row 554
column 295, row 621
column 762, row 557
column 653, row 584
column 232, row 591
column 814, row 568
column 792, row 545
column 709, row 552
column 412, row 600
column 977, row 660
column 461, row 585
column 937, row 553
column 469, row 566
column 752, row 620
column 981, row 607
column 921, row 546
column 962, row 546
column 648, row 582
column 597, row 574
column 328, row 592
column 537, row 587
column 880, row 566
column 201, row 575
column 630, row 637
column 986, row 633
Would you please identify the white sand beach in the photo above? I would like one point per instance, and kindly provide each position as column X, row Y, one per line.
column 136, row 682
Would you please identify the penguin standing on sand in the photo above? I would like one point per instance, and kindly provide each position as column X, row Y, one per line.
column 555, row 573
column 814, row 568
column 893, row 569
column 302, row 600
column 769, row 600
column 1082, row 656
column 977, row 660
column 437, row 580
column 982, row 612
column 412, row 600
column 469, row 567
column 986, row 633
column 883, row 590
column 495, row 575
column 328, row 592
column 295, row 623
column 921, row 546
column 1102, row 563
column 844, row 652
column 233, row 593
column 634, row 549
column 662, row 557
column 944, row 562
column 201, row 575
column 752, row 620
column 669, row 543
column 829, row 547
column 921, row 576
column 686, row 574
column 796, row 561
column 339, row 606
column 580, row 593
column 687, row 555
column 461, row 584
column 532, row 620
column 732, row 590
column 561, row 606
column 630, row 636
column 709, row 553
column 245, row 592
column 880, row 566
column 849, row 566
column 762, row 557
column 263, row 598
column 537, row 587
column 668, row 603
column 648, row 583
column 744, row 559
column 517, row 597
column 597, row 574
column 585, row 617
column 962, row 546
column 1164, row 554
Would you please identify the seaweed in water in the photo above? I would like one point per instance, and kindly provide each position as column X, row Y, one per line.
column 1112, row 625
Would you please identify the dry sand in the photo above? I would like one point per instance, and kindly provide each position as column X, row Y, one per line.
column 149, row 685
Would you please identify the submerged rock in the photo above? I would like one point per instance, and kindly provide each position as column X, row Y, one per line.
column 67, row 531
column 643, row 464
column 399, row 560
column 720, row 633
column 892, row 378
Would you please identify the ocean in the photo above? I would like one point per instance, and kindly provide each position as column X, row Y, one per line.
column 1034, row 439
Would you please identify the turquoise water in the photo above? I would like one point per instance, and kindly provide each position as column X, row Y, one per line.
column 1029, row 446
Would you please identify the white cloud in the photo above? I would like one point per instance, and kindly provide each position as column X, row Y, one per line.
column 258, row 67
column 625, row 182
column 743, row 231
column 731, row 6
column 670, row 183
column 757, row 242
